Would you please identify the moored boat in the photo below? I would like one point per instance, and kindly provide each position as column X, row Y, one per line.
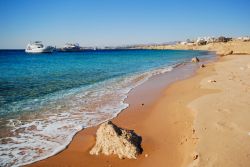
column 38, row 47
column 69, row 47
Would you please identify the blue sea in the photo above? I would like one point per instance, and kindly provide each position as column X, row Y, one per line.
column 45, row 99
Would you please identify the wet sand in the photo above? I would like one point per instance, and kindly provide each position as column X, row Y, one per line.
column 171, row 123
column 156, row 113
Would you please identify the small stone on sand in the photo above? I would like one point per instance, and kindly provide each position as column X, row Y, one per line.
column 211, row 81
column 195, row 156
column 195, row 60
column 202, row 66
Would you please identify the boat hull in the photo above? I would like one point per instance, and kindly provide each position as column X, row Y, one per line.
column 40, row 50
column 70, row 49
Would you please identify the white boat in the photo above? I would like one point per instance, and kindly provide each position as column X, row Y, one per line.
column 38, row 47
column 69, row 47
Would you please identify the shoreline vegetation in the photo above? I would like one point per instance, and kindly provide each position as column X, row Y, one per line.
column 202, row 120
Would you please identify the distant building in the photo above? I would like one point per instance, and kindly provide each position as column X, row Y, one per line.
column 245, row 39
column 201, row 41
column 211, row 39
column 183, row 43
column 223, row 39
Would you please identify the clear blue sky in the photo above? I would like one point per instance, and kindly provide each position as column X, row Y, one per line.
column 119, row 22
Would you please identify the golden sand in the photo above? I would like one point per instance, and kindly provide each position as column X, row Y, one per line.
column 201, row 121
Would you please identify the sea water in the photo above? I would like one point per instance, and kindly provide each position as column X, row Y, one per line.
column 45, row 99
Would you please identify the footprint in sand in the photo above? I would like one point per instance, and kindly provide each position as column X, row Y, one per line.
column 224, row 125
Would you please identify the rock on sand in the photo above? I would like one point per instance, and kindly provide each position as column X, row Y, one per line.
column 202, row 66
column 195, row 60
column 111, row 139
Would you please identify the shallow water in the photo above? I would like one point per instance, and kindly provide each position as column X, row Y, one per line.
column 46, row 98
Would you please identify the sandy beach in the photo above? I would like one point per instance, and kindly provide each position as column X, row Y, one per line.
column 125, row 83
column 199, row 121
column 222, row 118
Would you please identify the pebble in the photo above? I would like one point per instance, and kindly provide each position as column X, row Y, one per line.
column 195, row 157
column 210, row 81
column 202, row 66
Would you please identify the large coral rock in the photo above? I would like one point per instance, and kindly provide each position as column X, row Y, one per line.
column 195, row 60
column 111, row 139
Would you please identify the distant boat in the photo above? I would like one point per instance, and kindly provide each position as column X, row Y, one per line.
column 69, row 47
column 38, row 47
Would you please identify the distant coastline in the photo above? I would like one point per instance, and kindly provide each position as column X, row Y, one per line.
column 221, row 45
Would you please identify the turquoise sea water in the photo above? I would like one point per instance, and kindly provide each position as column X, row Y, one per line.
column 46, row 98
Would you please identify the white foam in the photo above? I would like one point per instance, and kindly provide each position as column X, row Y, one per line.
column 52, row 130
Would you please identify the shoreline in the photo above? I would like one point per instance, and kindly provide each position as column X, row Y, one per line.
column 124, row 118
column 40, row 150
column 169, row 125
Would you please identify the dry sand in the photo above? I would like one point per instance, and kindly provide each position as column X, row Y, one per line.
column 223, row 119
column 190, row 119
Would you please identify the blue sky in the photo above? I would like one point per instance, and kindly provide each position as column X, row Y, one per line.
column 119, row 22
